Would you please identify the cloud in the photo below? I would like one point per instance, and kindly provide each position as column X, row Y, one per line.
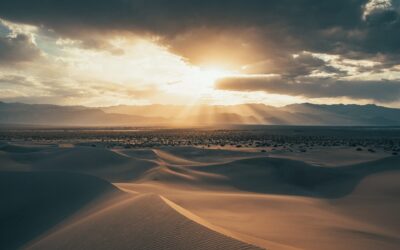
column 301, row 64
column 15, row 80
column 38, row 90
column 282, row 27
column 381, row 91
column 17, row 49
column 375, row 6
column 280, row 38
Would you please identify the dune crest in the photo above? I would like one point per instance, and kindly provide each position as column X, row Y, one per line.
column 96, row 197
column 139, row 222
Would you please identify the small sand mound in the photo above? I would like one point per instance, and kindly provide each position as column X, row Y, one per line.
column 137, row 153
column 173, row 159
column 205, row 155
column 141, row 222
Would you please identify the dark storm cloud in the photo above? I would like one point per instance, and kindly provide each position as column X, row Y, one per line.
column 171, row 16
column 17, row 49
column 282, row 27
column 259, row 33
column 382, row 91
column 292, row 66
column 303, row 24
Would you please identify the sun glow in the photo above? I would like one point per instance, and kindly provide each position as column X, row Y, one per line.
column 143, row 73
column 208, row 76
column 198, row 81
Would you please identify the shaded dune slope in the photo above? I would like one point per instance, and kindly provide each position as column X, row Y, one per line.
column 260, row 174
column 46, row 210
column 276, row 176
column 100, row 162
column 140, row 222
column 34, row 202
column 7, row 163
column 11, row 148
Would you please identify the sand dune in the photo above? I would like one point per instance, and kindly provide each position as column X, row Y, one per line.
column 375, row 200
column 97, row 161
column 331, row 157
column 8, row 164
column 100, row 162
column 203, row 155
column 367, row 218
column 360, row 212
column 141, row 222
column 275, row 176
column 15, row 148
column 34, row 202
column 171, row 159
column 211, row 199
column 142, row 154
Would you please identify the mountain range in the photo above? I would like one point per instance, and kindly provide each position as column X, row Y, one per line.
column 174, row 115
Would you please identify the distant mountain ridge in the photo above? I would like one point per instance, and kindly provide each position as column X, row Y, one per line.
column 154, row 115
column 44, row 114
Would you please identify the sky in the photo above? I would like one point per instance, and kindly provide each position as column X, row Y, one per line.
column 138, row 52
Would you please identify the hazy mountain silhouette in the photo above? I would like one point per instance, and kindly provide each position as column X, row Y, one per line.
column 295, row 114
column 39, row 114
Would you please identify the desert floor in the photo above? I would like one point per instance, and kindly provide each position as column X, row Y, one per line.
column 82, row 197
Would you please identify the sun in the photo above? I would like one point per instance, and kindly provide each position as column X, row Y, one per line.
column 195, row 84
column 209, row 76
column 205, row 78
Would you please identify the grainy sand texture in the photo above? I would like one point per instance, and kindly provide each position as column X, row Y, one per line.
column 84, row 197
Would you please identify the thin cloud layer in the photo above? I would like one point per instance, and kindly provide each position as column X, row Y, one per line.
column 381, row 91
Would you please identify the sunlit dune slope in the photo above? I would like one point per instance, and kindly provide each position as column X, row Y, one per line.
column 351, row 207
column 209, row 156
column 140, row 222
column 215, row 199
column 367, row 218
